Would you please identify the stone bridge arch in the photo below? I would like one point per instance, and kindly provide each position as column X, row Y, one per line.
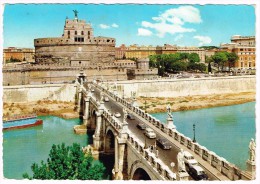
column 138, row 171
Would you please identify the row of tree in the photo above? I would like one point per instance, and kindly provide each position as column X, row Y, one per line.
column 67, row 163
column 176, row 62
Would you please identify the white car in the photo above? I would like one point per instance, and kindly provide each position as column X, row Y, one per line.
column 189, row 160
column 117, row 114
column 150, row 133
column 106, row 99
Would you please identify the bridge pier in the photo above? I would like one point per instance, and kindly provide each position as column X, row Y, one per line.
column 86, row 111
column 97, row 135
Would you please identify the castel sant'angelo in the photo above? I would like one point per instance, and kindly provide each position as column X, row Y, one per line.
column 60, row 59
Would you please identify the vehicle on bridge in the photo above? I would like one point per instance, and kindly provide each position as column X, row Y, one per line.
column 131, row 117
column 106, row 99
column 141, row 126
column 197, row 173
column 189, row 159
column 150, row 133
column 117, row 114
column 163, row 143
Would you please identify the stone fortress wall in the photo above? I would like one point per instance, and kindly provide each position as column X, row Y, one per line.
column 189, row 86
column 30, row 93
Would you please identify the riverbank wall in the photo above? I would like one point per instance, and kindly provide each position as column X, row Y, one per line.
column 188, row 86
column 31, row 93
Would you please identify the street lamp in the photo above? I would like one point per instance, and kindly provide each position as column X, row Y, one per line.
column 194, row 140
column 145, row 105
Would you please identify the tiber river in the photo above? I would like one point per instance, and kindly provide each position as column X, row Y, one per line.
column 224, row 130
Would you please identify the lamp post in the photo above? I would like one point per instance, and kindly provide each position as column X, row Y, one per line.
column 194, row 139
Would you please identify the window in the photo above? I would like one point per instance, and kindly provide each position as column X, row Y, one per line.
column 241, row 64
column 241, row 49
column 68, row 32
column 88, row 32
column 249, row 64
column 76, row 32
column 82, row 32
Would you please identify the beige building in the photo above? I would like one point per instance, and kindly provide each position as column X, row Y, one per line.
column 244, row 47
column 22, row 54
column 135, row 51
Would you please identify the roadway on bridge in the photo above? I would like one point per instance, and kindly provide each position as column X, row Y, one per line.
column 166, row 156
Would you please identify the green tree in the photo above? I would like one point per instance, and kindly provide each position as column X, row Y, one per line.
column 179, row 66
column 232, row 58
column 194, row 58
column 67, row 163
column 220, row 58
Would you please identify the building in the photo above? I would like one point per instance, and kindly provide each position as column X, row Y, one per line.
column 76, row 46
column 22, row 54
column 135, row 51
column 244, row 47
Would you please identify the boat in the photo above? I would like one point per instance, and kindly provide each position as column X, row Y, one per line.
column 21, row 121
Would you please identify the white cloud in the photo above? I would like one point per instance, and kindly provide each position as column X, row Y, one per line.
column 104, row 26
column 144, row 32
column 172, row 21
column 180, row 36
column 203, row 40
column 114, row 25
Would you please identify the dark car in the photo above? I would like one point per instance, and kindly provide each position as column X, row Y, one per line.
column 197, row 173
column 130, row 116
column 163, row 143
column 141, row 126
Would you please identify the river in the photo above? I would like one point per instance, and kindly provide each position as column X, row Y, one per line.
column 224, row 130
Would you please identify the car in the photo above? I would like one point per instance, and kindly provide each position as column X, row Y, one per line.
column 141, row 126
column 150, row 133
column 197, row 173
column 117, row 114
column 106, row 99
column 92, row 90
column 130, row 116
column 163, row 143
column 189, row 159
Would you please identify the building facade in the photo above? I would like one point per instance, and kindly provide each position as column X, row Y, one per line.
column 244, row 47
column 76, row 46
column 22, row 54
column 135, row 51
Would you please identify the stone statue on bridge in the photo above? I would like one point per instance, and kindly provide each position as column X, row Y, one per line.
column 76, row 13
column 125, row 113
column 101, row 97
column 181, row 165
column 169, row 111
column 252, row 146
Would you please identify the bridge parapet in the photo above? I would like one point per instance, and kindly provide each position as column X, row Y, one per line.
column 165, row 173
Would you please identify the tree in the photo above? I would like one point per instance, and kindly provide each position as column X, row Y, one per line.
column 194, row 58
column 220, row 58
column 67, row 163
column 232, row 58
column 178, row 66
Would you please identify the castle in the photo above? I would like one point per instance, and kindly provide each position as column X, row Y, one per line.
column 60, row 60
column 76, row 46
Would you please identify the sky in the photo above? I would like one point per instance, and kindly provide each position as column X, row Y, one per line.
column 182, row 25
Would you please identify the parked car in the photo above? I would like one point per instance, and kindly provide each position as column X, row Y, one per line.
column 150, row 133
column 163, row 143
column 106, row 99
column 141, row 126
column 130, row 116
column 197, row 173
column 117, row 114
column 189, row 159
column 92, row 90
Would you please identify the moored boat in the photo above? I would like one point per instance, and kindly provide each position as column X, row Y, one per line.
column 17, row 122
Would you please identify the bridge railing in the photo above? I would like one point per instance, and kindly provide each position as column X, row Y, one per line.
column 151, row 159
column 223, row 166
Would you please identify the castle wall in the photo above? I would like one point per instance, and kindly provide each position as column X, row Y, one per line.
column 192, row 86
column 65, row 53
column 30, row 93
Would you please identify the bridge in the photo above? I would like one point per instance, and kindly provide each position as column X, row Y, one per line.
column 132, row 157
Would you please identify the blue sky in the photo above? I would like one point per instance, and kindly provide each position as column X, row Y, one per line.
column 183, row 25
